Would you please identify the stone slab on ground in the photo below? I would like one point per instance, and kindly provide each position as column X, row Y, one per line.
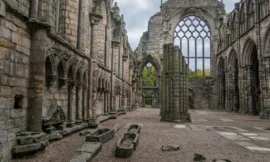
column 87, row 152
column 179, row 126
column 199, row 127
column 226, row 128
column 76, row 128
column 259, row 149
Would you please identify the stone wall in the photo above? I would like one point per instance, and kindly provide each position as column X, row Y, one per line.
column 201, row 93
column 161, row 30
column 45, row 63
column 234, row 58
column 15, row 47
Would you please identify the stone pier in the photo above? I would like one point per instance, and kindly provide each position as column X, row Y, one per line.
column 175, row 86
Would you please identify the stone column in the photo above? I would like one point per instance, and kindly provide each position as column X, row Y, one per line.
column 34, row 8
column 78, row 103
column 84, row 103
column 94, row 20
column 115, row 46
column 70, row 101
column 36, row 80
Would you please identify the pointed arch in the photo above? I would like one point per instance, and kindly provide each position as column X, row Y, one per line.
column 248, row 48
column 150, row 59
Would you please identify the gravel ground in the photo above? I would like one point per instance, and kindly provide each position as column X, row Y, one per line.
column 155, row 134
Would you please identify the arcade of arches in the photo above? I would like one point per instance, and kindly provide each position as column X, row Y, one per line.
column 68, row 64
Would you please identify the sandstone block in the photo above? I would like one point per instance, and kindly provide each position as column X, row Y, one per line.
column 4, row 80
column 2, row 9
column 26, row 149
column 26, row 140
column 13, row 4
column 16, row 38
column 3, row 136
column 5, row 91
column 17, row 113
column 5, row 32
column 26, row 42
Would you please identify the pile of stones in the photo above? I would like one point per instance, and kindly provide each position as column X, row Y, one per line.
column 29, row 142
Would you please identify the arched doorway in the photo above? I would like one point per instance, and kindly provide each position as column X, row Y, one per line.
column 233, row 95
column 251, row 62
column 222, row 84
column 149, row 82
column 149, row 86
column 192, row 35
column 255, row 82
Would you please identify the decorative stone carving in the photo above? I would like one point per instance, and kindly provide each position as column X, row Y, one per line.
column 55, row 117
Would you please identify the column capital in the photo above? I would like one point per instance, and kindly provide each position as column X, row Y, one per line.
column 95, row 18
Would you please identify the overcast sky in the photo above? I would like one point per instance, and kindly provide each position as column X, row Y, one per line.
column 138, row 12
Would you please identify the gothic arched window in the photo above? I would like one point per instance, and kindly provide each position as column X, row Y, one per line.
column 193, row 35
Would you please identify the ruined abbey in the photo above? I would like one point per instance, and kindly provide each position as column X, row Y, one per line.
column 67, row 66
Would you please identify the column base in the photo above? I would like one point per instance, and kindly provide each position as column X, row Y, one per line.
column 113, row 115
column 93, row 122
column 172, row 118
column 69, row 124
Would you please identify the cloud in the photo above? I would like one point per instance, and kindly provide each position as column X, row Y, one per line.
column 138, row 12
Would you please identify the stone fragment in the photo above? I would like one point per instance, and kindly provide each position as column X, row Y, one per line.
column 199, row 158
column 116, row 128
column 170, row 148
column 221, row 160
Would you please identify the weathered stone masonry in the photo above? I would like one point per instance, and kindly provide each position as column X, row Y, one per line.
column 161, row 30
column 56, row 65
column 243, row 59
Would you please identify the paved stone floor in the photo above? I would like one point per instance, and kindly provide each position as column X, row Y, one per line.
column 214, row 134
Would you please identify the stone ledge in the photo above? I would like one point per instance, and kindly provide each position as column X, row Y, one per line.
column 87, row 152
column 26, row 149
column 76, row 128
